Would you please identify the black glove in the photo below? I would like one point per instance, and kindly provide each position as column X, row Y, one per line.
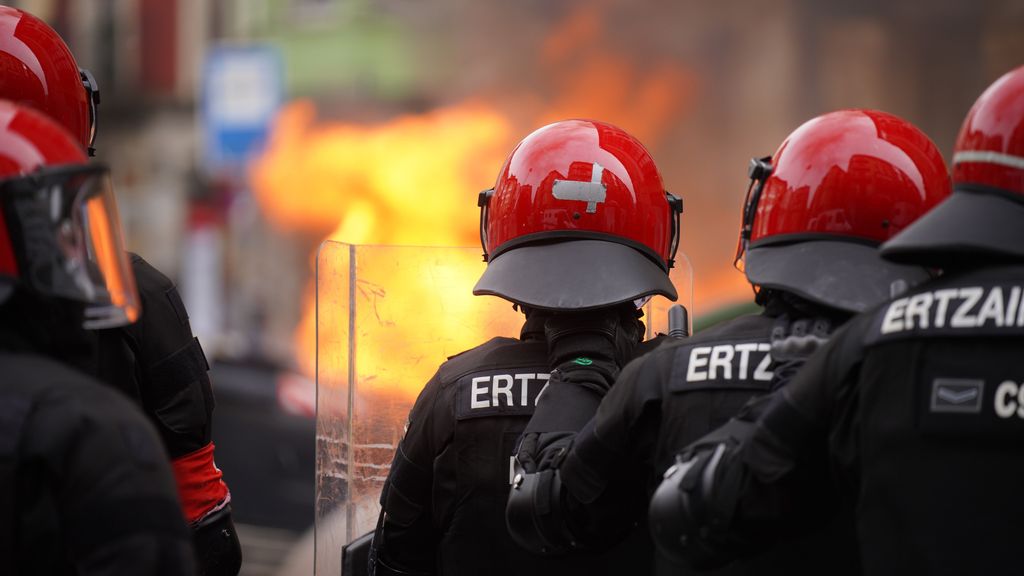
column 562, row 410
column 586, row 350
column 541, row 451
column 217, row 548
column 594, row 345
column 603, row 339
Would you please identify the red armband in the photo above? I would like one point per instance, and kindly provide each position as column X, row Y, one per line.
column 200, row 487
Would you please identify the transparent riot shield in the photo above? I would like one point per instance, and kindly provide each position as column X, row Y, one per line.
column 387, row 317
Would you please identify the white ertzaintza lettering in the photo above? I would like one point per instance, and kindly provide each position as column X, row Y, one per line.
column 729, row 362
column 958, row 308
column 970, row 297
column 506, row 390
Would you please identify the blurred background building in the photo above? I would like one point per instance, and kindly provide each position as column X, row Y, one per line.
column 242, row 133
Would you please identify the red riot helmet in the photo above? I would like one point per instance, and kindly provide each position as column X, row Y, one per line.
column 60, row 234
column 578, row 219
column 837, row 187
column 985, row 214
column 38, row 70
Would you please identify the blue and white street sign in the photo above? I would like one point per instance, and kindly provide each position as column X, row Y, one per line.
column 243, row 87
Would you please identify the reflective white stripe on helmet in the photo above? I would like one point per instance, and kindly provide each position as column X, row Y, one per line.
column 989, row 157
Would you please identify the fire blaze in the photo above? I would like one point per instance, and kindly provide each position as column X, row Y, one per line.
column 409, row 182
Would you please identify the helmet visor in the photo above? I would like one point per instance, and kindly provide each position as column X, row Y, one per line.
column 841, row 274
column 71, row 241
column 580, row 274
column 965, row 227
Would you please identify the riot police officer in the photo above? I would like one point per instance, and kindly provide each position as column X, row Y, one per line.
column 814, row 215
column 912, row 412
column 579, row 218
column 85, row 487
column 156, row 361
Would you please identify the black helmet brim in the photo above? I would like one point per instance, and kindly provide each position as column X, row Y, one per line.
column 573, row 275
column 965, row 225
column 845, row 275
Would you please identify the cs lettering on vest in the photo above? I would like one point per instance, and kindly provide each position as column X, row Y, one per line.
column 1009, row 400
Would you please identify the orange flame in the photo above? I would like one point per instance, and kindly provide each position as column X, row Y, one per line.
column 410, row 181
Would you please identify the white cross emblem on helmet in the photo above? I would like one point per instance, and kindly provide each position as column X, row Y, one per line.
column 592, row 192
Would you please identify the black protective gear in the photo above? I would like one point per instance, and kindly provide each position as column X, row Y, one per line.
column 540, row 451
column 562, row 410
column 681, row 524
column 693, row 511
column 671, row 514
column 91, row 491
column 534, row 512
column 159, row 363
column 50, row 327
column 909, row 405
column 601, row 339
column 443, row 504
column 595, row 344
column 662, row 402
column 218, row 550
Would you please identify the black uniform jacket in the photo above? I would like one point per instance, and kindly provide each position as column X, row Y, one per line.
column 159, row 363
column 666, row 399
column 85, row 487
column 916, row 412
column 444, row 500
column 662, row 402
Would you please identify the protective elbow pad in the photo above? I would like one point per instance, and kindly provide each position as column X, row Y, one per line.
column 534, row 512
column 406, row 491
column 179, row 395
column 678, row 514
column 691, row 513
